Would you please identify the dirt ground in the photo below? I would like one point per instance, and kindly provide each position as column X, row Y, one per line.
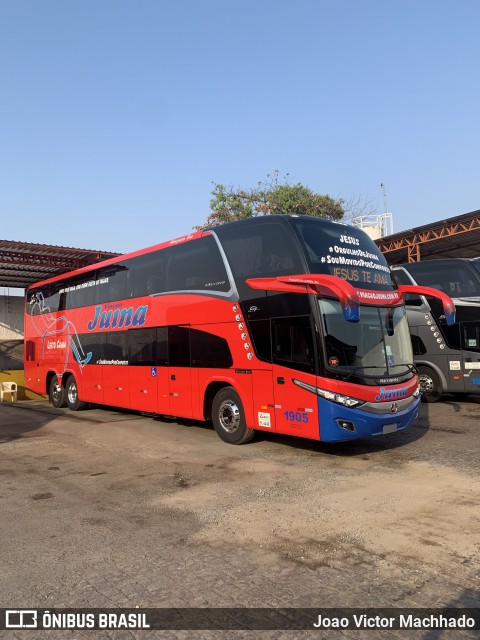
column 425, row 515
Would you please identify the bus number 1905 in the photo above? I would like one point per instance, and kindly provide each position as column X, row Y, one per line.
column 296, row 416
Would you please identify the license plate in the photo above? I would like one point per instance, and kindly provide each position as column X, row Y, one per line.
column 389, row 428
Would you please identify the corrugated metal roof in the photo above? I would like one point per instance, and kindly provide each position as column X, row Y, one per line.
column 456, row 237
column 23, row 263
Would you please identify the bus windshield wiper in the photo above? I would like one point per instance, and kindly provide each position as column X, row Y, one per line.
column 355, row 369
column 410, row 367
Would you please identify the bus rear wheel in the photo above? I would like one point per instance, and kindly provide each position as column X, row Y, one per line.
column 430, row 384
column 73, row 401
column 56, row 394
column 228, row 417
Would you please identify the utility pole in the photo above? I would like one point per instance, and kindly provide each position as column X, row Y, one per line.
column 382, row 186
column 386, row 218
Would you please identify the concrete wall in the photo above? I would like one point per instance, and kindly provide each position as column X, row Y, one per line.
column 22, row 392
column 11, row 355
column 11, row 317
column 11, row 332
column 11, row 345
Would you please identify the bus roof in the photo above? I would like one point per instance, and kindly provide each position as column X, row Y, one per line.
column 265, row 219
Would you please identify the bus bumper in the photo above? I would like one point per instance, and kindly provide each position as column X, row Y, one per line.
column 339, row 423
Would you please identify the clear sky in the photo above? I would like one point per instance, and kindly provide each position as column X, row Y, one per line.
column 117, row 115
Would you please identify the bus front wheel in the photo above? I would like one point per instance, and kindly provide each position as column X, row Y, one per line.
column 73, row 401
column 56, row 393
column 430, row 384
column 228, row 417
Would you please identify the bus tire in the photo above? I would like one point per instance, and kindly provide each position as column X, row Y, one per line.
column 73, row 401
column 228, row 417
column 430, row 384
column 57, row 394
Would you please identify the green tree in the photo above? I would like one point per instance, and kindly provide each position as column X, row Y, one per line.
column 270, row 197
column 301, row 200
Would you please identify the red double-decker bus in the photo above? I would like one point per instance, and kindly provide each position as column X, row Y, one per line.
column 281, row 323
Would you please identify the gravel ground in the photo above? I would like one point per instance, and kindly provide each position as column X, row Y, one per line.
column 106, row 508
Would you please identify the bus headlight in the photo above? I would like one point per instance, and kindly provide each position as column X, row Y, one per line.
column 339, row 398
column 416, row 393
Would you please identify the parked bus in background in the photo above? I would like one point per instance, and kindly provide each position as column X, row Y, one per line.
column 289, row 324
column 447, row 357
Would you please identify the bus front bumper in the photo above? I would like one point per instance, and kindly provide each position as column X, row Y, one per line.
column 339, row 423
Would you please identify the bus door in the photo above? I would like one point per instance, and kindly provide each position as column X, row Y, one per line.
column 470, row 336
column 263, row 398
column 116, row 381
column 143, row 369
column 179, row 372
column 296, row 409
column 34, row 368
column 90, row 378
column 144, row 388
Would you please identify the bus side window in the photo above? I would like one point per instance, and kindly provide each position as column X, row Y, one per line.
column 94, row 343
column 30, row 351
column 471, row 336
column 261, row 249
column 145, row 276
column 115, row 346
column 178, row 347
column 141, row 347
column 154, row 285
column 262, row 339
column 162, row 347
column 400, row 276
column 209, row 350
column 47, row 299
column 81, row 290
column 417, row 345
column 195, row 266
column 293, row 343
column 111, row 282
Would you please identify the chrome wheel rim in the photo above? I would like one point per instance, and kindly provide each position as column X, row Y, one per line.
column 426, row 383
column 229, row 416
column 56, row 392
column 72, row 393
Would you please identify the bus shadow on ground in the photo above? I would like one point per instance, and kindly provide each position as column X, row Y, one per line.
column 466, row 404
column 466, row 604
column 358, row 447
column 454, row 400
column 12, row 429
column 42, row 415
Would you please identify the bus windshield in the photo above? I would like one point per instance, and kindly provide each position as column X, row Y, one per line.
column 455, row 278
column 379, row 344
column 476, row 264
column 344, row 252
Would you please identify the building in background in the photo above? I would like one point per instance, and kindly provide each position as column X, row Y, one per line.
column 375, row 225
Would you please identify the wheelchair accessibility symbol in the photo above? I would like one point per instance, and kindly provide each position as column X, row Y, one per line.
column 154, row 372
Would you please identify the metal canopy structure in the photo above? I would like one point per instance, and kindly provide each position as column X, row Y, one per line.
column 457, row 237
column 23, row 263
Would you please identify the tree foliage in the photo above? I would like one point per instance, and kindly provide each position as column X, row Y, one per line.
column 270, row 197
